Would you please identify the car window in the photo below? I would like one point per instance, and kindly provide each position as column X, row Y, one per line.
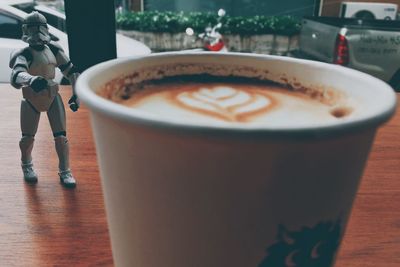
column 10, row 27
column 55, row 21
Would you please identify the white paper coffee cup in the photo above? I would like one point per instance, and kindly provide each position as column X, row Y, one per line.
column 182, row 194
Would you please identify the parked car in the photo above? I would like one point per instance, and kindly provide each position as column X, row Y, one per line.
column 371, row 46
column 57, row 19
column 10, row 39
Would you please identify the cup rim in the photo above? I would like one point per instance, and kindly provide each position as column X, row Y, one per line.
column 117, row 111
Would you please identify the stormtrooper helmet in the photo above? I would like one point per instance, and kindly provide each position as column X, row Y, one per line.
column 35, row 30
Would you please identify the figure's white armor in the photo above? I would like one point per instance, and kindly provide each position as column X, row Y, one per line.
column 35, row 65
column 43, row 64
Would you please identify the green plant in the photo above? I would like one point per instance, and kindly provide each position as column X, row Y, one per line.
column 175, row 22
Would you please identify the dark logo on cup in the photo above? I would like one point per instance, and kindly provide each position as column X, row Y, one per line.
column 310, row 247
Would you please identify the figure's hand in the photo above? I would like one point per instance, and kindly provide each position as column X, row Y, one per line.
column 74, row 103
column 38, row 83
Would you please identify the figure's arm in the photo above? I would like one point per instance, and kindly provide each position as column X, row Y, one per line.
column 68, row 70
column 20, row 76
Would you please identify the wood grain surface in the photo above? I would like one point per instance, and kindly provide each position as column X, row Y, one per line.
column 47, row 225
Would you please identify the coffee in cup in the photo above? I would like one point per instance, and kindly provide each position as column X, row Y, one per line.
column 214, row 96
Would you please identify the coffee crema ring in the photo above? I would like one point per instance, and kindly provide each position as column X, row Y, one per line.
column 231, row 99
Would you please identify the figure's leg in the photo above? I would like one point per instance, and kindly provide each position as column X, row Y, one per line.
column 29, row 124
column 57, row 119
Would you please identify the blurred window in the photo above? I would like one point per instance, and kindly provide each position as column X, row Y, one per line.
column 55, row 21
column 10, row 27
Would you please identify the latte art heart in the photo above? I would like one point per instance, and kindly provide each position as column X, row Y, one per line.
column 225, row 102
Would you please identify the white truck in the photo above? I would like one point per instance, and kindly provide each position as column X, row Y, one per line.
column 371, row 46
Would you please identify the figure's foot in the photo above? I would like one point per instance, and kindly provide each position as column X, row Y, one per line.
column 29, row 174
column 66, row 179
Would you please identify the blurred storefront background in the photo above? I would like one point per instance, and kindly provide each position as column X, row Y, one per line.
column 298, row 8
column 236, row 7
column 233, row 7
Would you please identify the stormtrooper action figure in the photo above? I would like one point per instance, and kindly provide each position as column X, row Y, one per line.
column 33, row 70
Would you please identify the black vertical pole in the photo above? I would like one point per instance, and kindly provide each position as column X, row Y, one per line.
column 91, row 31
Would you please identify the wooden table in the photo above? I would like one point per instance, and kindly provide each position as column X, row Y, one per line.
column 47, row 225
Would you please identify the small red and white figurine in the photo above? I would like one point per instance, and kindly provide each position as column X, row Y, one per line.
column 212, row 39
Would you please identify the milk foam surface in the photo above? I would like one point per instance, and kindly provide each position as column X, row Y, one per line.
column 243, row 103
